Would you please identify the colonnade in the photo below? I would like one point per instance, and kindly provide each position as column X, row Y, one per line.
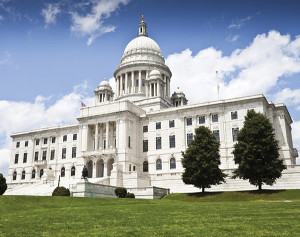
column 104, row 97
column 127, row 83
column 100, row 168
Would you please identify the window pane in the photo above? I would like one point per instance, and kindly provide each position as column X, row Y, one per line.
column 16, row 158
column 172, row 141
column 37, row 142
column 73, row 152
column 44, row 155
column 202, row 120
column 145, row 145
column 189, row 121
column 234, row 134
column 64, row 138
column 189, row 138
column 234, row 115
column 158, row 164
column 18, row 144
column 74, row 137
column 172, row 163
column 45, row 141
column 145, row 128
column 25, row 158
column 64, row 151
column 52, row 154
column 26, row 143
column 217, row 134
column 158, row 125
column 215, row 118
column 145, row 166
column 36, row 156
column 171, row 124
column 158, row 143
column 53, row 139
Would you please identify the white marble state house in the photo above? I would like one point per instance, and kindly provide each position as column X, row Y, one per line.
column 133, row 136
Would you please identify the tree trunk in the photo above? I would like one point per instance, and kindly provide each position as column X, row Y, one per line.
column 259, row 187
column 202, row 189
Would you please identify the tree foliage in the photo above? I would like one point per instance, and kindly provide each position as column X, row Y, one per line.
column 3, row 185
column 61, row 191
column 201, row 160
column 257, row 151
column 121, row 192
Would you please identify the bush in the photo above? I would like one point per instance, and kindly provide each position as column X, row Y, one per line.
column 130, row 195
column 121, row 192
column 61, row 191
column 3, row 185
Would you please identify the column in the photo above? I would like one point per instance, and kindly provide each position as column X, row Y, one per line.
column 84, row 137
column 107, row 134
column 117, row 87
column 132, row 82
column 105, row 169
column 122, row 81
column 150, row 90
column 117, row 134
column 126, row 83
column 158, row 88
column 111, row 137
column 140, row 81
column 147, row 90
column 101, row 137
column 106, row 96
column 94, row 170
column 96, row 136
column 165, row 88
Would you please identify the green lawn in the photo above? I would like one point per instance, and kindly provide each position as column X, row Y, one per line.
column 273, row 213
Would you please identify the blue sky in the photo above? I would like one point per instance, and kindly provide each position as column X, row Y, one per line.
column 54, row 52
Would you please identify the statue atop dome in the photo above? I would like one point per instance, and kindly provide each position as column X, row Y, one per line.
column 142, row 16
column 142, row 27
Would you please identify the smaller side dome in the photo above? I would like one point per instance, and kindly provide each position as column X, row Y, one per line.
column 154, row 74
column 178, row 98
column 103, row 92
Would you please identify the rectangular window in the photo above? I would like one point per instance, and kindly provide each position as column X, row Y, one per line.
column 189, row 121
column 137, row 83
column 73, row 152
column 158, row 143
column 202, row 120
column 104, row 144
column 74, row 137
column 145, row 145
column 64, row 153
column 234, row 134
column 25, row 158
column 64, row 138
column 215, row 118
column 52, row 155
column 16, row 158
column 37, row 142
column 217, row 134
column 44, row 155
column 145, row 128
column 36, row 156
column 158, row 125
column 53, row 139
column 26, row 143
column 18, row 144
column 128, row 141
column 189, row 138
column 234, row 115
column 172, row 141
column 171, row 124
column 45, row 141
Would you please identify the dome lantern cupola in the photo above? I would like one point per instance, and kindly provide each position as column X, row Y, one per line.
column 142, row 28
column 178, row 98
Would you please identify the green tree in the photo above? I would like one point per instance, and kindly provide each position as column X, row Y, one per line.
column 201, row 160
column 257, row 151
column 3, row 185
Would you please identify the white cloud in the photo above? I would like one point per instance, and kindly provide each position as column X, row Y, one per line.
column 92, row 24
column 232, row 38
column 252, row 70
column 21, row 116
column 50, row 13
column 288, row 96
column 4, row 59
column 1, row 18
column 238, row 23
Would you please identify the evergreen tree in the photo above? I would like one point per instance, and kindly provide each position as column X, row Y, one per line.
column 202, row 159
column 3, row 185
column 257, row 151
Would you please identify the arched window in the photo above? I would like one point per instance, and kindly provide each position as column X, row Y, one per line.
column 62, row 172
column 15, row 175
column 172, row 163
column 73, row 171
column 158, row 164
column 145, row 166
column 33, row 174
column 41, row 173
column 23, row 174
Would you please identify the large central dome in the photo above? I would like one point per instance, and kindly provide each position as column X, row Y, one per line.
column 142, row 44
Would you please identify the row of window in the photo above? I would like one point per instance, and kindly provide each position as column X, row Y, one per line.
column 44, row 155
column 33, row 173
column 189, row 121
column 159, row 164
column 158, row 143
column 45, row 140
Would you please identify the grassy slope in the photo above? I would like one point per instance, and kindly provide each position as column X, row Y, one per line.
column 211, row 215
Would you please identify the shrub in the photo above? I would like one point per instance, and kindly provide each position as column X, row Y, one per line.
column 61, row 191
column 3, row 185
column 121, row 192
column 130, row 195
